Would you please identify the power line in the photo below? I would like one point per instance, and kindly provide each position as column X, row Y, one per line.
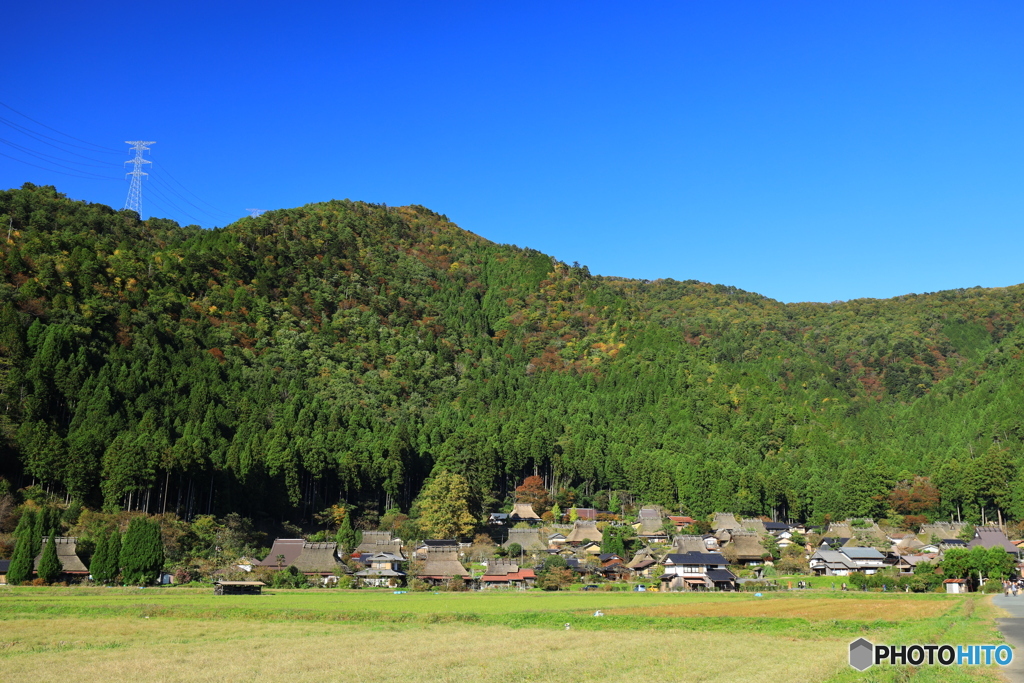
column 167, row 199
column 163, row 169
column 101, row 147
column 134, row 201
column 38, row 154
column 157, row 181
column 40, row 137
column 50, row 170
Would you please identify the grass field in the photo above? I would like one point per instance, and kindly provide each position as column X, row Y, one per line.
column 181, row 634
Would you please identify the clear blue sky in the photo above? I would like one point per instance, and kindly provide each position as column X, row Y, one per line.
column 808, row 151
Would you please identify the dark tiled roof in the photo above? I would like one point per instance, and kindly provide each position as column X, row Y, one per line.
column 721, row 575
column 695, row 558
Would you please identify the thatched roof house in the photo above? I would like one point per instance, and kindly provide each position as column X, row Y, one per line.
column 690, row 544
column 523, row 512
column 66, row 553
column 756, row 525
column 379, row 542
column 442, row 565
column 584, row 531
column 287, row 549
column 747, row 547
column 320, row 558
column 528, row 539
column 506, row 574
column 941, row 530
column 726, row 521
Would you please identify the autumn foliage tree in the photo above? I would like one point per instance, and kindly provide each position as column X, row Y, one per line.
column 444, row 506
column 533, row 493
column 913, row 498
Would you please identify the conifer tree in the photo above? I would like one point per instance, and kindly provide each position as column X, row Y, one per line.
column 20, row 570
column 113, row 567
column 346, row 536
column 100, row 559
column 49, row 564
column 142, row 552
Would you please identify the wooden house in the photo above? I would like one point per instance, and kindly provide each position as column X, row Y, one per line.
column 379, row 542
column 696, row 571
column 583, row 531
column 992, row 537
column 441, row 566
column 283, row 553
column 507, row 574
column 320, row 559
column 523, row 512
column 71, row 564
column 383, row 570
column 421, row 550
column 747, row 548
column 528, row 539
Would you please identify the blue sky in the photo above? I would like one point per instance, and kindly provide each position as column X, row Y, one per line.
column 807, row 151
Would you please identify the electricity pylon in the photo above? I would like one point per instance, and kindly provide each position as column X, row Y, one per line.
column 135, row 189
column 256, row 213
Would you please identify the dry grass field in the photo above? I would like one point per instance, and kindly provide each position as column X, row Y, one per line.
column 185, row 635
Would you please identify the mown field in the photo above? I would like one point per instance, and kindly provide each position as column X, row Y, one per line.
column 181, row 634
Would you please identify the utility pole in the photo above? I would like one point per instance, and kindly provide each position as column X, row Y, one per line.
column 135, row 189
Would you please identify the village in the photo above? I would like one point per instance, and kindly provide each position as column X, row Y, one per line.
column 655, row 551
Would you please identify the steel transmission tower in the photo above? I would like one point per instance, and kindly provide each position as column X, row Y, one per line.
column 256, row 213
column 135, row 189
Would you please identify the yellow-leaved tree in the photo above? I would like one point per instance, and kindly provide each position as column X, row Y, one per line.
column 444, row 506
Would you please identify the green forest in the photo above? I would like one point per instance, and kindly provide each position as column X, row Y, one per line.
column 344, row 352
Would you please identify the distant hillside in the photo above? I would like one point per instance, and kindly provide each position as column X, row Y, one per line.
column 345, row 351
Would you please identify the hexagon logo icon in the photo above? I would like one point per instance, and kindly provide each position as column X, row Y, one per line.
column 862, row 654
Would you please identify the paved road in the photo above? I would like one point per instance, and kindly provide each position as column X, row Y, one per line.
column 1013, row 630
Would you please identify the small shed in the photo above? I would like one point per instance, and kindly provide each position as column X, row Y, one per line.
column 238, row 587
column 956, row 585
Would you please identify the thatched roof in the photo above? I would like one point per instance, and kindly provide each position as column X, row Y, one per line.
column 501, row 567
column 523, row 512
column 756, row 525
column 871, row 534
column 442, row 564
column 69, row 560
column 643, row 557
column 839, row 530
column 746, row 545
column 319, row 558
column 908, row 544
column 651, row 526
column 291, row 548
column 690, row 544
column 372, row 540
column 725, row 520
column 584, row 531
column 528, row 539
column 649, row 512
column 941, row 530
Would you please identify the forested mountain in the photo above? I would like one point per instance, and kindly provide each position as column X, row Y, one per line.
column 344, row 351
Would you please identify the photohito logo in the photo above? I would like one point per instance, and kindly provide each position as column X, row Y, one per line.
column 864, row 654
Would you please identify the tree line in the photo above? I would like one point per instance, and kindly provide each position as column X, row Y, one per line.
column 351, row 353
